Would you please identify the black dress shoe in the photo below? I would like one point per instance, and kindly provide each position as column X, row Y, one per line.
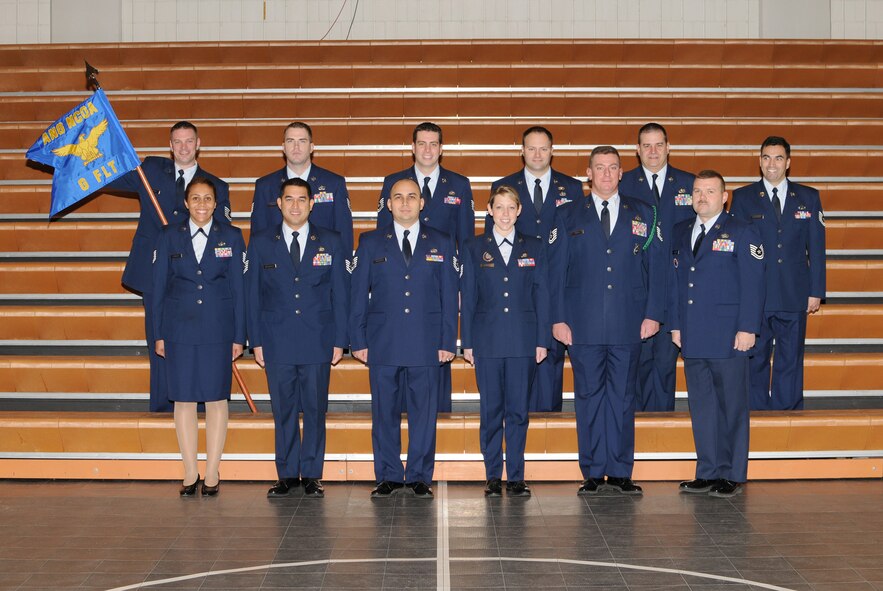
column 493, row 488
column 624, row 486
column 283, row 487
column 698, row 486
column 421, row 490
column 210, row 491
column 313, row 488
column 385, row 489
column 590, row 486
column 725, row 489
column 189, row 490
column 517, row 489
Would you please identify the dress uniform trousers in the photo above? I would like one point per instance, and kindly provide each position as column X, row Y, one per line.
column 504, row 384
column 417, row 389
column 657, row 374
column 294, row 388
column 604, row 378
column 720, row 414
column 789, row 331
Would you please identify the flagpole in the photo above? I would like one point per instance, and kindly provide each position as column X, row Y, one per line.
column 93, row 84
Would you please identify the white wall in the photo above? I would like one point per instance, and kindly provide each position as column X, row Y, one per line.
column 29, row 21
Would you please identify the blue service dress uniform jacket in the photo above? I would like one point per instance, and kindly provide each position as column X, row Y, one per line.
column 795, row 247
column 657, row 369
column 451, row 209
column 160, row 173
column 331, row 203
column 298, row 315
column 199, row 309
column 504, row 318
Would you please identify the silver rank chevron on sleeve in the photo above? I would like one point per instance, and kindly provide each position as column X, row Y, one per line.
column 244, row 263
column 756, row 251
column 154, row 256
column 457, row 267
column 351, row 266
column 229, row 214
column 822, row 218
column 659, row 233
column 553, row 235
column 380, row 205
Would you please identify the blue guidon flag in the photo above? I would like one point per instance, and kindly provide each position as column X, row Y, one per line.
column 88, row 149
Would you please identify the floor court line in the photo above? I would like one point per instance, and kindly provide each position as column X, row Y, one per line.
column 445, row 584
column 443, row 568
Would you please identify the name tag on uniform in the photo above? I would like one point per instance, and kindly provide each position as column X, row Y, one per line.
column 452, row 200
column 380, row 260
column 802, row 214
column 270, row 266
column 323, row 197
column 223, row 252
column 722, row 245
column 639, row 228
column 323, row 259
column 528, row 262
column 684, row 199
column 177, row 255
column 435, row 258
column 487, row 265
column 562, row 201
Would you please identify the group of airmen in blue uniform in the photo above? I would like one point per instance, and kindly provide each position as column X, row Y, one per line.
column 647, row 265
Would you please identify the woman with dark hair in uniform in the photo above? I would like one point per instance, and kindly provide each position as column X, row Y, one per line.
column 505, row 330
column 199, row 323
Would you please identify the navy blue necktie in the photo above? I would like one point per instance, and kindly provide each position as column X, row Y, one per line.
column 406, row 247
column 294, row 251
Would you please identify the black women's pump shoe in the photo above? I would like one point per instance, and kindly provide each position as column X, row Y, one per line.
column 189, row 490
column 210, row 491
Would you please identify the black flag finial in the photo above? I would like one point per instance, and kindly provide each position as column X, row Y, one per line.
column 91, row 76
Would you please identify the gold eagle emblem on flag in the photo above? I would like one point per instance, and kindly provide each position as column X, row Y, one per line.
column 87, row 147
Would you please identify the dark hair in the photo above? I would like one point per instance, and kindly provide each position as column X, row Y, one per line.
column 300, row 125
column 648, row 127
column 775, row 140
column 428, row 126
column 183, row 125
column 712, row 174
column 200, row 180
column 598, row 150
column 296, row 182
column 505, row 189
column 536, row 129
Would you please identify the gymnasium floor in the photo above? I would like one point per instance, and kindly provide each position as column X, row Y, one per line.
column 809, row 535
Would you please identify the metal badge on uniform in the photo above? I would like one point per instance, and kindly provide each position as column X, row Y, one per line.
column 223, row 252
column 723, row 245
column 322, row 259
column 452, row 199
column 639, row 228
column 435, row 258
column 562, row 201
column 725, row 235
column 488, row 257
column 675, row 263
column 683, row 198
column 527, row 262
column 433, row 250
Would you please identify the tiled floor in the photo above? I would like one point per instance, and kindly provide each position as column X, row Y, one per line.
column 106, row 535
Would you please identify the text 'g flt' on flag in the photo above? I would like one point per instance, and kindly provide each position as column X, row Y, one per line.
column 88, row 149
